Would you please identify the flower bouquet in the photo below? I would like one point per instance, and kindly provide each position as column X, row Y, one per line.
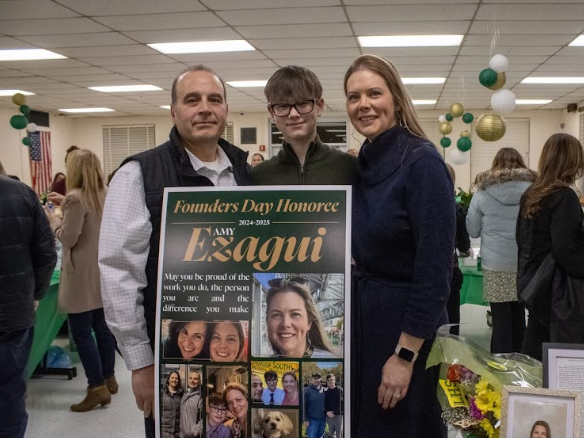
column 471, row 383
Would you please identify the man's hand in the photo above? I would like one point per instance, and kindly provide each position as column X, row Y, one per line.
column 143, row 387
column 330, row 414
column 306, row 423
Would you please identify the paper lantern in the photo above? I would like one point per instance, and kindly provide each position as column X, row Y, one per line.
column 445, row 142
column 445, row 128
column 488, row 77
column 32, row 127
column 464, row 144
column 456, row 109
column 501, row 81
column 499, row 63
column 442, row 119
column 503, row 101
column 24, row 109
column 19, row 99
column 490, row 127
column 467, row 118
column 18, row 122
column 449, row 117
column 458, row 157
column 465, row 134
column 26, row 141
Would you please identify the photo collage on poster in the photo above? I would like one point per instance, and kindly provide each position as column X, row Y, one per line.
column 259, row 364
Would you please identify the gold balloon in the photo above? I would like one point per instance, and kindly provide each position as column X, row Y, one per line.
column 490, row 127
column 19, row 99
column 501, row 79
column 456, row 109
column 445, row 128
column 465, row 134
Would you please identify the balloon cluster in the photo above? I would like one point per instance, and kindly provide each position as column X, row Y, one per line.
column 20, row 121
column 492, row 127
column 459, row 155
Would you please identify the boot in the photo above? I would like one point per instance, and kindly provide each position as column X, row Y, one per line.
column 97, row 395
column 112, row 385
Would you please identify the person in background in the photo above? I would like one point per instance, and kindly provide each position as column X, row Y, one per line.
column 257, row 388
column 333, row 405
column 403, row 241
column 290, row 384
column 550, row 222
column 314, row 408
column 79, row 288
column 27, row 261
column 59, row 176
column 462, row 244
column 170, row 406
column 492, row 216
column 59, row 187
column 191, row 408
column 235, row 396
column 216, row 416
column 256, row 159
column 272, row 395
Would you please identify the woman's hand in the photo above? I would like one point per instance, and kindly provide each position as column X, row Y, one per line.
column 54, row 221
column 55, row 198
column 395, row 381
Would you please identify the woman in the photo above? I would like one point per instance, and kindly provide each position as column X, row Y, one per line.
column 79, row 289
column 492, row 216
column 550, row 223
column 293, row 324
column 235, row 396
column 290, row 383
column 403, row 242
column 227, row 340
column 59, row 176
column 187, row 340
column 170, row 406
column 256, row 159
column 540, row 429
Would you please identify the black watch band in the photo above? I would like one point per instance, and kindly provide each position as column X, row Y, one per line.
column 406, row 353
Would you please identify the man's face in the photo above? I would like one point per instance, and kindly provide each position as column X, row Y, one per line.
column 194, row 380
column 272, row 384
column 200, row 110
column 316, row 381
column 298, row 127
column 257, row 388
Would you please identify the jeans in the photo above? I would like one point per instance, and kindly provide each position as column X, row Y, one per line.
column 315, row 427
column 14, row 351
column 98, row 360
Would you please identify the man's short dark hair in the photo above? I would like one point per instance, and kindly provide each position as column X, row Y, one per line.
column 270, row 375
column 293, row 84
column 330, row 376
column 192, row 69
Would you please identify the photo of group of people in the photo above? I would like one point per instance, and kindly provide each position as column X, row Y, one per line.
column 275, row 383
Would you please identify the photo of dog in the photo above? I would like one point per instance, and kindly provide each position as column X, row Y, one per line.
column 268, row 423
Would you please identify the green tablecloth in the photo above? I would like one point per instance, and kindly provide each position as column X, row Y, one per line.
column 48, row 323
column 471, row 291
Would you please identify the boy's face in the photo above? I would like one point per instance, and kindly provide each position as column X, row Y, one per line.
column 217, row 414
column 298, row 127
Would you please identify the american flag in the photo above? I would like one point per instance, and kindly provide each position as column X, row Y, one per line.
column 41, row 170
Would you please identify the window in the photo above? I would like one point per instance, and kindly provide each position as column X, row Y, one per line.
column 119, row 142
column 332, row 133
column 582, row 128
column 228, row 133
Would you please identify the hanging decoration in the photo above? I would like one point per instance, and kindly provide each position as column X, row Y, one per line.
column 490, row 127
column 20, row 121
column 458, row 157
column 464, row 143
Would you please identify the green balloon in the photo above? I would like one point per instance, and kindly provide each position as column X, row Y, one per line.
column 18, row 122
column 24, row 109
column 449, row 117
column 467, row 118
column 464, row 144
column 488, row 77
column 445, row 142
column 26, row 141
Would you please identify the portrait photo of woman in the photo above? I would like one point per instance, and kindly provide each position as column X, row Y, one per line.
column 540, row 429
column 186, row 340
column 227, row 341
column 290, row 383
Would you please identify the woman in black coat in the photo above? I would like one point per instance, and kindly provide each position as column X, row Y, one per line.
column 403, row 245
column 170, row 403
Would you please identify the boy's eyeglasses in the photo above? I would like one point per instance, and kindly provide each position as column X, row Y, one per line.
column 283, row 109
column 218, row 410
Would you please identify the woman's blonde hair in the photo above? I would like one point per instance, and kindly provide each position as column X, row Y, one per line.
column 84, row 173
column 404, row 108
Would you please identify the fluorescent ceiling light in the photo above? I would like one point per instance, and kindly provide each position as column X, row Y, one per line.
column 86, row 110
column 13, row 92
column 203, row 47
column 167, row 107
column 125, row 88
column 578, row 42
column 28, row 55
column 424, row 102
column 244, row 84
column 554, row 80
column 532, row 101
column 423, row 80
column 410, row 40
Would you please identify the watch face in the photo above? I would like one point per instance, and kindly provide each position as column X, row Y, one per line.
column 406, row 354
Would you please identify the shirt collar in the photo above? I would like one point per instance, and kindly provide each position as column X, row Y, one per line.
column 224, row 162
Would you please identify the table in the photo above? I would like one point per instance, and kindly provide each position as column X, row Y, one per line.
column 471, row 291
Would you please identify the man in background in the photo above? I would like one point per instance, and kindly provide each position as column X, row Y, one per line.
column 272, row 395
column 191, row 408
column 333, row 405
column 314, row 409
column 257, row 388
column 27, row 261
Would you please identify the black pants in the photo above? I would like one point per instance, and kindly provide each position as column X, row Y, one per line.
column 508, row 327
column 453, row 304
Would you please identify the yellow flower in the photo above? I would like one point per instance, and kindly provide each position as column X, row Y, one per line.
column 488, row 427
column 482, row 387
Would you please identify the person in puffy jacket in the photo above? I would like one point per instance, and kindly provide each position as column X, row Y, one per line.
column 492, row 216
column 171, row 398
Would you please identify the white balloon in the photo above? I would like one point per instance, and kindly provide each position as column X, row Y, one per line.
column 503, row 101
column 499, row 63
column 458, row 157
column 32, row 127
column 442, row 119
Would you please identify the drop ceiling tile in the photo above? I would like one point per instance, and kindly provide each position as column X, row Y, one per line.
column 183, row 35
column 509, row 51
column 518, row 40
column 78, row 40
column 127, row 60
column 7, row 43
column 129, row 7
column 410, row 13
column 571, row 51
column 8, row 73
column 57, row 73
column 307, row 54
column 226, row 5
column 234, row 57
column 30, row 9
column 106, row 51
column 185, row 20
column 554, row 27
column 283, row 16
column 295, row 30
column 517, row 12
column 170, row 67
column 304, row 43
column 420, row 52
column 50, row 27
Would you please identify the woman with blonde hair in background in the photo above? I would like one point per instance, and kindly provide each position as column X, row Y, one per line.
column 79, row 290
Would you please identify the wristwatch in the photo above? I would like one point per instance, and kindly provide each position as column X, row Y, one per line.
column 406, row 353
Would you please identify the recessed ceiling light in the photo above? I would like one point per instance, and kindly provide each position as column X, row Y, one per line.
column 86, row 110
column 410, row 40
column 203, row 47
column 578, row 42
column 409, row 81
column 554, row 80
column 423, row 102
column 532, row 101
column 28, row 55
column 166, row 107
column 125, row 88
column 244, row 84
column 13, row 92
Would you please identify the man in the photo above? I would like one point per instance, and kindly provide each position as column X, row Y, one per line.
column 257, row 388
column 27, row 261
column 191, row 408
column 333, row 405
column 272, row 395
column 295, row 103
column 195, row 155
column 314, row 409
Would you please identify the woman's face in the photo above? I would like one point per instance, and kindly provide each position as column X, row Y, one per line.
column 236, row 403
column 289, row 383
column 539, row 432
column 173, row 381
column 370, row 104
column 287, row 322
column 225, row 343
column 255, row 160
column 191, row 339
